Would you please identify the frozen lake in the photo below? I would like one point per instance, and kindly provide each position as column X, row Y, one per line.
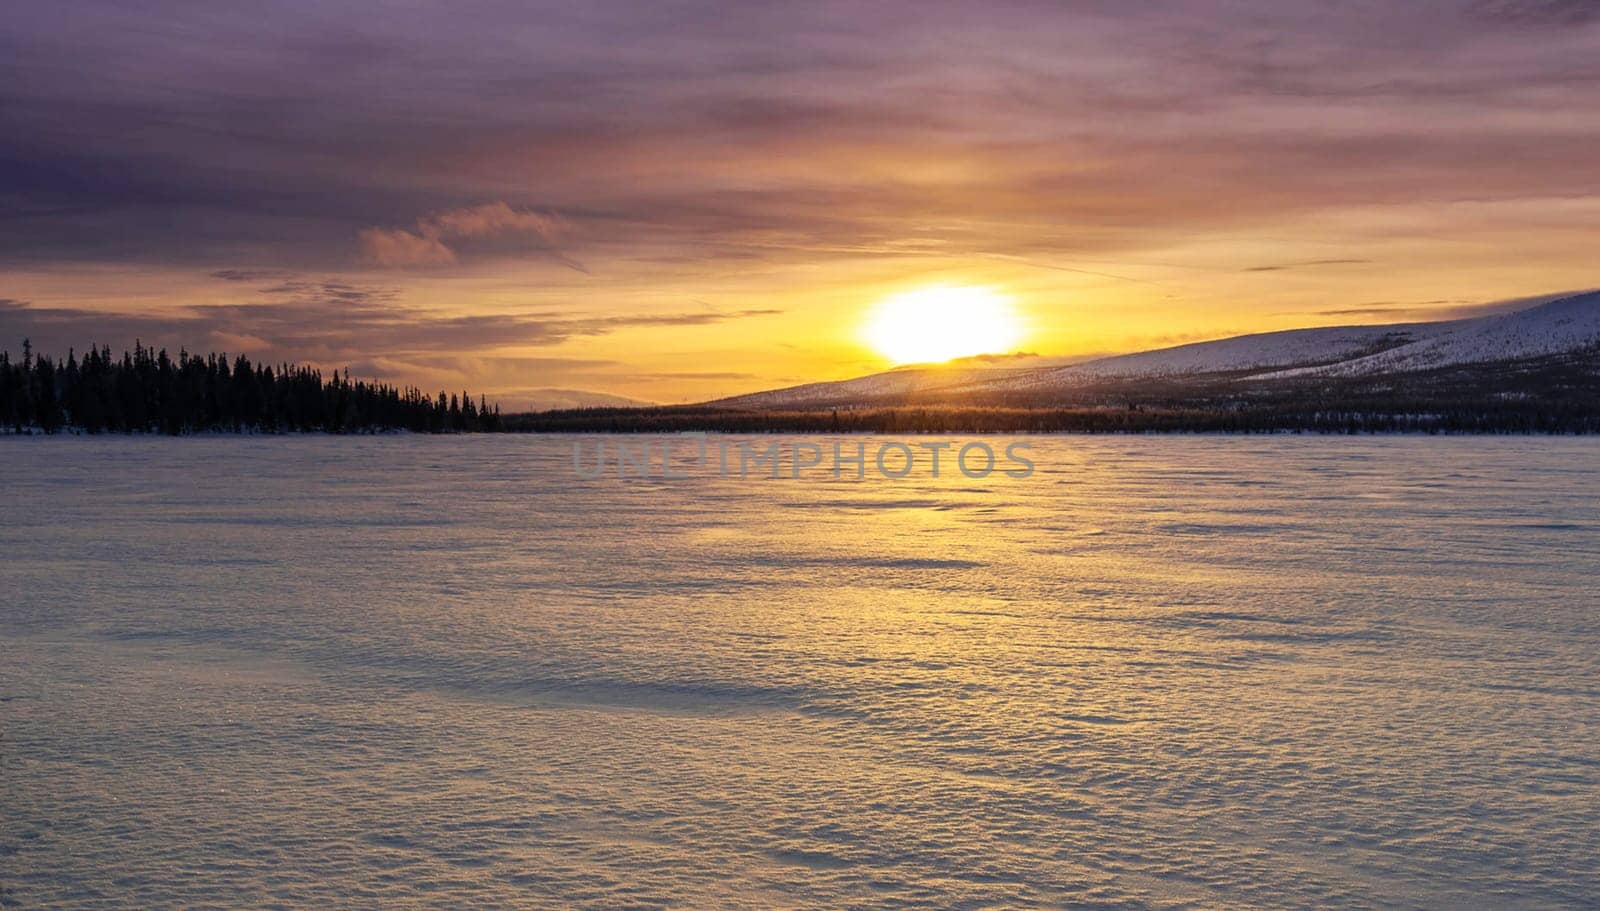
column 446, row 672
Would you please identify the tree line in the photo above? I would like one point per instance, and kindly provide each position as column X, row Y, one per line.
column 147, row 391
column 1478, row 418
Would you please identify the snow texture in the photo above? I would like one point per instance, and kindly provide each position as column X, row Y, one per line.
column 1569, row 324
column 1179, row 672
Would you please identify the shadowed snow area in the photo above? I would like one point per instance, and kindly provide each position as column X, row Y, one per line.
column 1169, row 672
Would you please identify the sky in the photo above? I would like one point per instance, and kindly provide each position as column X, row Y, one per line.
column 671, row 201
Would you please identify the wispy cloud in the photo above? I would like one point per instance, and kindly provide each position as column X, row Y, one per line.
column 248, row 275
column 329, row 322
column 1280, row 267
column 1447, row 309
column 1537, row 12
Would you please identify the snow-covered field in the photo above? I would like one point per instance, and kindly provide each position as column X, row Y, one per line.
column 446, row 673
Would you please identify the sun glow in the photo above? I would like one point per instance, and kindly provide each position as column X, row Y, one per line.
column 937, row 324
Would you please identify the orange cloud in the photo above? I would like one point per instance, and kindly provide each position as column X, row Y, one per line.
column 425, row 245
column 490, row 218
column 398, row 247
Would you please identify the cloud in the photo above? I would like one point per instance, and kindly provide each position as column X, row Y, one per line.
column 710, row 375
column 701, row 138
column 1425, row 312
column 1308, row 264
column 331, row 323
column 425, row 244
column 1537, row 12
column 1447, row 309
column 601, row 325
column 329, row 291
column 490, row 218
column 248, row 275
column 396, row 247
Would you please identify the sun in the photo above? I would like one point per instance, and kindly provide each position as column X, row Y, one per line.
column 937, row 324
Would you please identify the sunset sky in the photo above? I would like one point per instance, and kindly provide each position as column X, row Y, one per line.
column 673, row 201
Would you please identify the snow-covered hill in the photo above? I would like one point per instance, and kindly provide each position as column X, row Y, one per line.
column 1247, row 352
column 1569, row 323
column 1562, row 325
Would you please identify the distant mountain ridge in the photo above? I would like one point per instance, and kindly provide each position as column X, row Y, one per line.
column 550, row 398
column 1568, row 324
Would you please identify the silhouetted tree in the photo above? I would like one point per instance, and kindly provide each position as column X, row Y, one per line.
column 147, row 391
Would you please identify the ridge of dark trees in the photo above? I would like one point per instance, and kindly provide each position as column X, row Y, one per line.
column 147, row 391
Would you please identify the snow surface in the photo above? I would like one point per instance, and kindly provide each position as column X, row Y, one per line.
column 1176, row 672
column 1564, row 325
column 1247, row 352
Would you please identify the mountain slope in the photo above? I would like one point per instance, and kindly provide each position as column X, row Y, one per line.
column 1562, row 325
column 1250, row 352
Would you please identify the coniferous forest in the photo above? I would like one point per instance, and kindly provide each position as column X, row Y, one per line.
column 148, row 391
